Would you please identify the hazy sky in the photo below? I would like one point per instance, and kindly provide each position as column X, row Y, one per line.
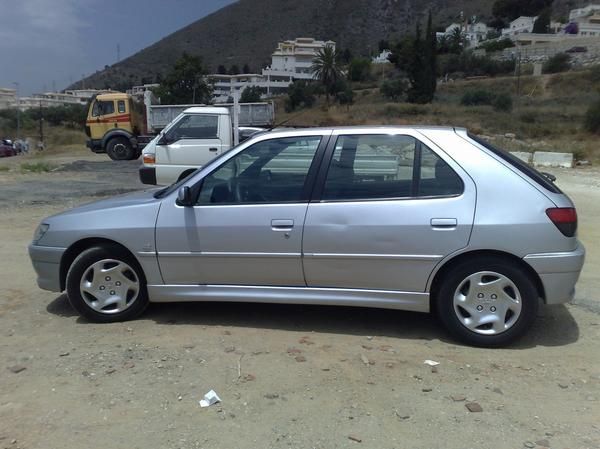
column 46, row 42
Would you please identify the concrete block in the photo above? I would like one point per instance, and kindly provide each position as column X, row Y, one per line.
column 523, row 155
column 549, row 159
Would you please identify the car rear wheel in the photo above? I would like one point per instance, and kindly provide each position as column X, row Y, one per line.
column 105, row 284
column 120, row 149
column 487, row 302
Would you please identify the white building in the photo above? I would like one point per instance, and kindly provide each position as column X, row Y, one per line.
column 575, row 14
column 139, row 90
column 589, row 25
column 382, row 58
column 51, row 99
column 521, row 24
column 292, row 60
column 473, row 32
column 8, row 98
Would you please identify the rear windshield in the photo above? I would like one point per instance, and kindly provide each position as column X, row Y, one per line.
column 520, row 165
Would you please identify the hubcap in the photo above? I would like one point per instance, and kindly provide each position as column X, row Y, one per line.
column 120, row 149
column 109, row 286
column 487, row 303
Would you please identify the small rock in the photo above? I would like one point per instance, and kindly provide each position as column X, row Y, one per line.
column 389, row 365
column 400, row 415
column 369, row 337
column 16, row 368
column 544, row 443
column 528, row 444
column 427, row 390
column 367, row 347
column 365, row 359
column 458, row 398
column 473, row 407
column 305, row 341
column 109, row 371
column 354, row 438
column 300, row 358
column 64, row 354
column 189, row 346
column 271, row 396
column 563, row 385
column 249, row 377
column 128, row 364
column 230, row 349
column 293, row 351
column 497, row 390
column 179, row 398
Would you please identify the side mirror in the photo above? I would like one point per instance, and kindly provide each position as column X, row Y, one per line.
column 184, row 197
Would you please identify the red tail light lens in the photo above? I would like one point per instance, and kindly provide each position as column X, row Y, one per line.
column 564, row 218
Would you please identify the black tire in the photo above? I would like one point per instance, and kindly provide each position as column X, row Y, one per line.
column 81, row 267
column 451, row 316
column 185, row 174
column 120, row 149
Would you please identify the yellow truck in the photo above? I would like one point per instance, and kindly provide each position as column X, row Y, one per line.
column 120, row 125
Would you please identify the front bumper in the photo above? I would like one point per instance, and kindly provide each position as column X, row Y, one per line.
column 148, row 175
column 46, row 263
column 95, row 145
column 558, row 272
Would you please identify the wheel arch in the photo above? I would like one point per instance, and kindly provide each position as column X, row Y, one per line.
column 117, row 132
column 449, row 264
column 186, row 173
column 80, row 246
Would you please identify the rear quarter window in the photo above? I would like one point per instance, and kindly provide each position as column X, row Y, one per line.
column 520, row 165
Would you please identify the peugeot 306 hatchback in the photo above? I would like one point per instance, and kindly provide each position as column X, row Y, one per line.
column 409, row 218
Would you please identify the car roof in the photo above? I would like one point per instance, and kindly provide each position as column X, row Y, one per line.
column 365, row 128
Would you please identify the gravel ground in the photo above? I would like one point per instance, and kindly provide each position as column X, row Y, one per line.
column 288, row 376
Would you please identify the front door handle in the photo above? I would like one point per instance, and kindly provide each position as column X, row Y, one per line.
column 213, row 149
column 444, row 223
column 282, row 225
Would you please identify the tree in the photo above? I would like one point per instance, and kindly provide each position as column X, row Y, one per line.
column 542, row 23
column 421, row 69
column 300, row 94
column 326, row 69
column 184, row 83
column 234, row 70
column 430, row 68
column 592, row 118
column 251, row 94
column 246, row 69
column 394, row 89
column 560, row 62
column 383, row 45
column 222, row 70
column 457, row 41
column 359, row 69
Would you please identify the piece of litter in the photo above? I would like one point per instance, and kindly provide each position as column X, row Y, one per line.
column 431, row 362
column 210, row 398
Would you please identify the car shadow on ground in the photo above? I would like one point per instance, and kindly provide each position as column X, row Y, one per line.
column 555, row 326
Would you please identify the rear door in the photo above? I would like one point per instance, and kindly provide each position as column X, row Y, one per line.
column 387, row 209
column 193, row 141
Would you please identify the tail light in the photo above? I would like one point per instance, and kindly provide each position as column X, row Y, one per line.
column 564, row 218
column 149, row 158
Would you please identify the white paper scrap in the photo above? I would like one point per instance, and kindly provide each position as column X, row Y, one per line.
column 210, row 398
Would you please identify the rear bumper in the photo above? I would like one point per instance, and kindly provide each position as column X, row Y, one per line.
column 46, row 263
column 148, row 175
column 558, row 272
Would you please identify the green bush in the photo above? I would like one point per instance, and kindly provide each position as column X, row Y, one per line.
column 502, row 103
column 359, row 69
column 592, row 118
column 251, row 94
column 560, row 62
column 394, row 89
column 497, row 45
column 470, row 65
column 477, row 98
column 36, row 167
column 300, row 94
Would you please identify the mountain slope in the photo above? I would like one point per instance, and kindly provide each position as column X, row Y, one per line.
column 248, row 32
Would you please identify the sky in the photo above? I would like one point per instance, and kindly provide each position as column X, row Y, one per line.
column 51, row 43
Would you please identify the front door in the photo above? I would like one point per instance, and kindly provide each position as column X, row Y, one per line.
column 246, row 226
column 389, row 209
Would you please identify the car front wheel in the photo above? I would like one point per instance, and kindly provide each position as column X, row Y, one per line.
column 105, row 284
column 487, row 302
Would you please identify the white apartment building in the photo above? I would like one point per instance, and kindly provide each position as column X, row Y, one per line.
column 521, row 24
column 474, row 32
column 292, row 60
column 589, row 25
column 575, row 14
column 382, row 58
column 8, row 98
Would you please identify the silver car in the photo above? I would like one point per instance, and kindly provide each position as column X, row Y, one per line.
column 411, row 218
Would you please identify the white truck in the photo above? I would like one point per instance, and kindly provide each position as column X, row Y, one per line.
column 196, row 136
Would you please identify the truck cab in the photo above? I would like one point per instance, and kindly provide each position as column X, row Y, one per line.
column 113, row 124
column 196, row 136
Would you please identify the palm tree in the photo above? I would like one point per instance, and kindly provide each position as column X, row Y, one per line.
column 326, row 69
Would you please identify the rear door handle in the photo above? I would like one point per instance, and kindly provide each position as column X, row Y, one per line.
column 282, row 225
column 444, row 223
column 213, row 149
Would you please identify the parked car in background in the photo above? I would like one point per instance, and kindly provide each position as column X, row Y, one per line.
column 7, row 149
column 409, row 218
column 577, row 49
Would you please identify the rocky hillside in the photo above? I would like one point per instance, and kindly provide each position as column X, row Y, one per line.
column 248, row 31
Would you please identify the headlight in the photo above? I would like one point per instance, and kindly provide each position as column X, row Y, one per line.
column 40, row 231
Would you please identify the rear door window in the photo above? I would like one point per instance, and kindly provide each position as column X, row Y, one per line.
column 366, row 167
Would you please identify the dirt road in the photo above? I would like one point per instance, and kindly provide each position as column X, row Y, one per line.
column 288, row 376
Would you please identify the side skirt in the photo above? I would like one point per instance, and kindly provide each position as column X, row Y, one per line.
column 415, row 302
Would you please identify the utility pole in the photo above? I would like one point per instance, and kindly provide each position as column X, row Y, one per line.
column 41, row 125
column 18, row 110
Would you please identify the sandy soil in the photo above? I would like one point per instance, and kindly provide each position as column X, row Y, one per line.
column 288, row 376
